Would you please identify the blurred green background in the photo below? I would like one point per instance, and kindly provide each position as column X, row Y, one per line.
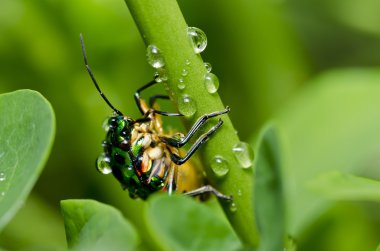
column 263, row 51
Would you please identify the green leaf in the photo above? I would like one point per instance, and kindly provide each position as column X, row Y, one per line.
column 344, row 186
column 332, row 125
column 91, row 225
column 378, row 248
column 269, row 198
column 27, row 128
column 46, row 234
column 181, row 223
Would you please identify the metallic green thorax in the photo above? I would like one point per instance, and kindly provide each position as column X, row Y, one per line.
column 124, row 157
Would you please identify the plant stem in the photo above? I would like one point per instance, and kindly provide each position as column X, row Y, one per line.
column 161, row 23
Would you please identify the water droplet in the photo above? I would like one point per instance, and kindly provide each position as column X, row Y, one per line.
column 2, row 177
column 181, row 84
column 220, row 166
column 198, row 39
column 239, row 192
column 106, row 125
column 187, row 62
column 233, row 207
column 186, row 105
column 166, row 86
column 2, row 193
column 244, row 154
column 103, row 164
column 208, row 67
column 154, row 56
column 160, row 75
column 211, row 82
column 184, row 72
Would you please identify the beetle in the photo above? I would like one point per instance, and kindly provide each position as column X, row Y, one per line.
column 142, row 157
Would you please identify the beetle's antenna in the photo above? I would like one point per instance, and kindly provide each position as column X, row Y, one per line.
column 93, row 77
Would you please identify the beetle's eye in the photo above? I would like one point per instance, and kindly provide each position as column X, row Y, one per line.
column 129, row 121
column 113, row 122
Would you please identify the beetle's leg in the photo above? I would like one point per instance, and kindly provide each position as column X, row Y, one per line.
column 202, row 139
column 138, row 100
column 179, row 143
column 137, row 95
column 152, row 100
column 171, row 181
column 142, row 120
column 208, row 189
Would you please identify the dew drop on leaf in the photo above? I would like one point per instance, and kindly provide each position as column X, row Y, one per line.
column 2, row 177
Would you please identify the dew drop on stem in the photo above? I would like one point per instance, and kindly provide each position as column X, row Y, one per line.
column 220, row 166
column 198, row 39
column 233, row 207
column 186, row 105
column 160, row 75
column 154, row 56
column 208, row 67
column 211, row 82
column 181, row 84
column 244, row 154
column 184, row 72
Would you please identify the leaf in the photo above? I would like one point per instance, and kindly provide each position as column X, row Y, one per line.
column 27, row 231
column 181, row 223
column 91, row 225
column 378, row 248
column 269, row 198
column 332, row 125
column 344, row 186
column 27, row 128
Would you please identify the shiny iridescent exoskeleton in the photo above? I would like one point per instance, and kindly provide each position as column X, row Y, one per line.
column 143, row 158
column 139, row 160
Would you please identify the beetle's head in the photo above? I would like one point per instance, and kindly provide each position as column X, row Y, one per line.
column 118, row 130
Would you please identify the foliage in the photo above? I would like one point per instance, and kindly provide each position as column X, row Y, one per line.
column 27, row 129
column 85, row 224
column 309, row 68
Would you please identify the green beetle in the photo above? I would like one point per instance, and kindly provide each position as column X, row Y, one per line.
column 143, row 158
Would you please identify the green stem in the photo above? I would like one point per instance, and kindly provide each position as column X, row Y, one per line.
column 161, row 23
